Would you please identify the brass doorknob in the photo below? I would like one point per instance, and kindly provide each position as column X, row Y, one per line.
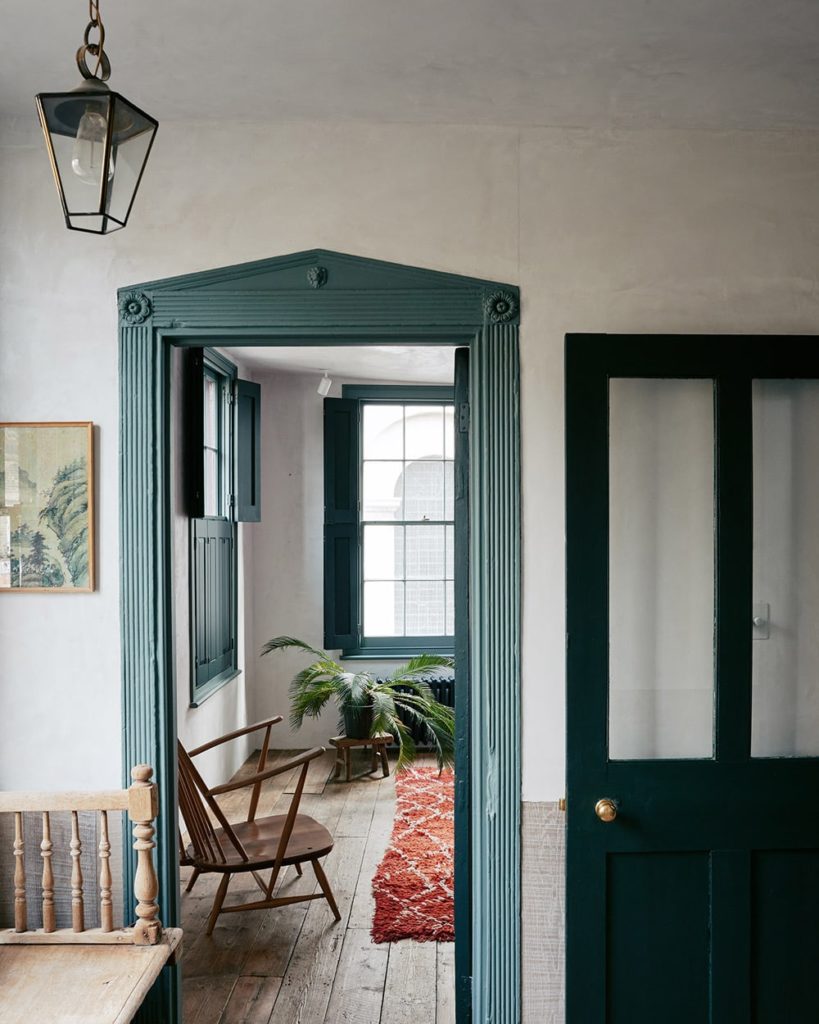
column 605, row 809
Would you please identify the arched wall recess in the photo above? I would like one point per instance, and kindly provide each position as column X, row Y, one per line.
column 311, row 298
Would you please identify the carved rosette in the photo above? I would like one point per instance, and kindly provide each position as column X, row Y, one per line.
column 317, row 277
column 134, row 308
column 500, row 307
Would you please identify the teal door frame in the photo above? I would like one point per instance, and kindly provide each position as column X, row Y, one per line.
column 325, row 298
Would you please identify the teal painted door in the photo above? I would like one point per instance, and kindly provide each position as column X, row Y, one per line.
column 693, row 679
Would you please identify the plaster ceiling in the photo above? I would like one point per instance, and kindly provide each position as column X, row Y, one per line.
column 588, row 63
column 410, row 364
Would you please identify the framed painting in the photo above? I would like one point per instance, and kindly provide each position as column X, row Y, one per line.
column 46, row 508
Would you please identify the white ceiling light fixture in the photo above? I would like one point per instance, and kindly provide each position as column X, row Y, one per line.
column 324, row 385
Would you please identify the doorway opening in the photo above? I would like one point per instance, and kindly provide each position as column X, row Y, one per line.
column 241, row 578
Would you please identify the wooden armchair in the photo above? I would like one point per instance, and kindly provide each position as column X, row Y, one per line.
column 253, row 845
column 78, row 973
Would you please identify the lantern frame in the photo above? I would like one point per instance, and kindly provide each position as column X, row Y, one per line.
column 48, row 104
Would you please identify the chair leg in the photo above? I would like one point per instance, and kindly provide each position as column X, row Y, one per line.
column 298, row 869
column 274, row 874
column 192, row 880
column 217, row 903
column 325, row 888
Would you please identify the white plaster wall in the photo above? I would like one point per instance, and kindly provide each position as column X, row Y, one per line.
column 627, row 231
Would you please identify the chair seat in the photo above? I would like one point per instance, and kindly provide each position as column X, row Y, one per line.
column 260, row 839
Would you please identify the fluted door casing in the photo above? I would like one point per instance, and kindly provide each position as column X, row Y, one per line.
column 495, row 671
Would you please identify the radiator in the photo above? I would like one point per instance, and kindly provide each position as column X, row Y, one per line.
column 443, row 690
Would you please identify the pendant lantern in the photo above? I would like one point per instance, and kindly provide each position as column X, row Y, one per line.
column 97, row 140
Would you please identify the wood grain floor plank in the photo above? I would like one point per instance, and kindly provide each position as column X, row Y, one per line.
column 204, row 999
column 361, row 916
column 445, row 984
column 251, row 1001
column 358, row 988
column 409, row 990
column 306, row 988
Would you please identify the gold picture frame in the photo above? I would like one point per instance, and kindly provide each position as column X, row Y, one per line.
column 47, row 540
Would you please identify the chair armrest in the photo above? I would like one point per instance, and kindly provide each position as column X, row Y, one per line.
column 234, row 735
column 229, row 787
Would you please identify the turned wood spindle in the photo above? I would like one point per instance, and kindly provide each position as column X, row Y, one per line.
column 77, row 908
column 49, row 920
column 106, row 906
column 142, row 810
column 20, row 912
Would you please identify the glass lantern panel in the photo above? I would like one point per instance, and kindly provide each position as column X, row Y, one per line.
column 76, row 129
column 133, row 135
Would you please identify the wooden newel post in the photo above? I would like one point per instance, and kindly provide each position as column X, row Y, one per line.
column 143, row 807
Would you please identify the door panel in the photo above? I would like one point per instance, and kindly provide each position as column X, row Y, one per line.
column 785, row 935
column 645, row 893
column 692, row 500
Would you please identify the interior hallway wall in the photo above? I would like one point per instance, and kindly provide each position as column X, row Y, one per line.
column 627, row 231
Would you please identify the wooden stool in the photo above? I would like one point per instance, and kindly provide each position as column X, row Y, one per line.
column 344, row 745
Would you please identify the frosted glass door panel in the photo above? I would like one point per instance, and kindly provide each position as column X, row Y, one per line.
column 661, row 568
column 785, row 626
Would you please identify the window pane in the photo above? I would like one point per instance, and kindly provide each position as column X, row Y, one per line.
column 425, row 552
column 383, row 609
column 212, row 503
column 785, row 648
column 383, row 431
column 450, row 609
column 211, row 412
column 424, row 490
column 383, row 552
column 426, row 609
column 661, row 568
column 449, row 431
column 383, row 485
column 450, row 552
column 425, row 431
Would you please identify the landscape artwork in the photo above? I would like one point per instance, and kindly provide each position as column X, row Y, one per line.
column 46, row 507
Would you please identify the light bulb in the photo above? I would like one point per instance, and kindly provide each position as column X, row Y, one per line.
column 89, row 148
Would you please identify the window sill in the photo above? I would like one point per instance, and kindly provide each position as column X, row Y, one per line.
column 393, row 654
column 208, row 689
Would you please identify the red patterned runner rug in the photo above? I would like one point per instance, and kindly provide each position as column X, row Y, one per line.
column 414, row 883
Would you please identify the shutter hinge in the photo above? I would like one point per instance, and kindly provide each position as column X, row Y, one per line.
column 463, row 417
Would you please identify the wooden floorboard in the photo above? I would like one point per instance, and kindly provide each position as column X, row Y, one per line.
column 410, row 991
column 294, row 964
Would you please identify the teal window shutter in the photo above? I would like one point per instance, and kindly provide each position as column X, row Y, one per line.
column 213, row 577
column 193, row 432
column 248, row 463
column 341, row 547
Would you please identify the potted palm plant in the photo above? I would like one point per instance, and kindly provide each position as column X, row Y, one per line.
column 368, row 705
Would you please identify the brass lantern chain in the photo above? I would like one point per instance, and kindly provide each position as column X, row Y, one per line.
column 102, row 68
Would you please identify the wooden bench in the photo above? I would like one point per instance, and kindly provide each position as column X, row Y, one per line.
column 77, row 975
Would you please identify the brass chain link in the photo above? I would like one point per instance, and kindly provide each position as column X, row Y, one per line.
column 96, row 48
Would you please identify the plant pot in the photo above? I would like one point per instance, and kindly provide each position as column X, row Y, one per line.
column 358, row 721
